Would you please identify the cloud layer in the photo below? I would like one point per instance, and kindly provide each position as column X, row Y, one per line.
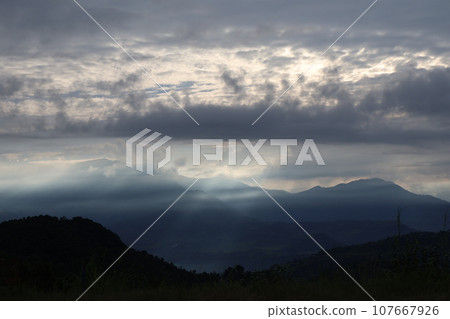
column 384, row 85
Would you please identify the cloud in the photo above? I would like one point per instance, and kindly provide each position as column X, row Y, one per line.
column 410, row 108
column 10, row 85
column 421, row 92
column 384, row 85
column 41, row 27
column 116, row 87
column 232, row 82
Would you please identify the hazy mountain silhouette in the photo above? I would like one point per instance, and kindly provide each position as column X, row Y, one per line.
column 366, row 199
column 220, row 221
column 108, row 192
column 213, row 240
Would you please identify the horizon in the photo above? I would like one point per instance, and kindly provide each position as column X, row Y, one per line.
column 60, row 170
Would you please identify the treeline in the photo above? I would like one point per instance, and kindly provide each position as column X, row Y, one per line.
column 49, row 258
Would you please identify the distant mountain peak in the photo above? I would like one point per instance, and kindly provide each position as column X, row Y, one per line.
column 374, row 180
column 357, row 184
column 370, row 182
column 216, row 183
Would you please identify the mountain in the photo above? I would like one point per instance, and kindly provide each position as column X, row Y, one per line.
column 405, row 252
column 415, row 266
column 220, row 221
column 375, row 199
column 366, row 199
column 211, row 240
column 214, row 239
column 43, row 254
column 49, row 258
column 107, row 191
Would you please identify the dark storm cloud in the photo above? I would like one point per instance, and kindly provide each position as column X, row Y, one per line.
column 10, row 85
column 136, row 101
column 116, row 87
column 424, row 93
column 13, row 88
column 54, row 28
column 422, row 97
column 41, row 27
column 413, row 108
column 232, row 82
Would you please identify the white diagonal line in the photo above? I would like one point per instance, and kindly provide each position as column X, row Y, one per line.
column 141, row 67
column 314, row 240
column 351, row 25
column 322, row 54
column 137, row 239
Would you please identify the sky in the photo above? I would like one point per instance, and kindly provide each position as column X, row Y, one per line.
column 377, row 102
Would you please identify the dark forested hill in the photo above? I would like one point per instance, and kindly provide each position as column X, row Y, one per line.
column 49, row 255
column 49, row 258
